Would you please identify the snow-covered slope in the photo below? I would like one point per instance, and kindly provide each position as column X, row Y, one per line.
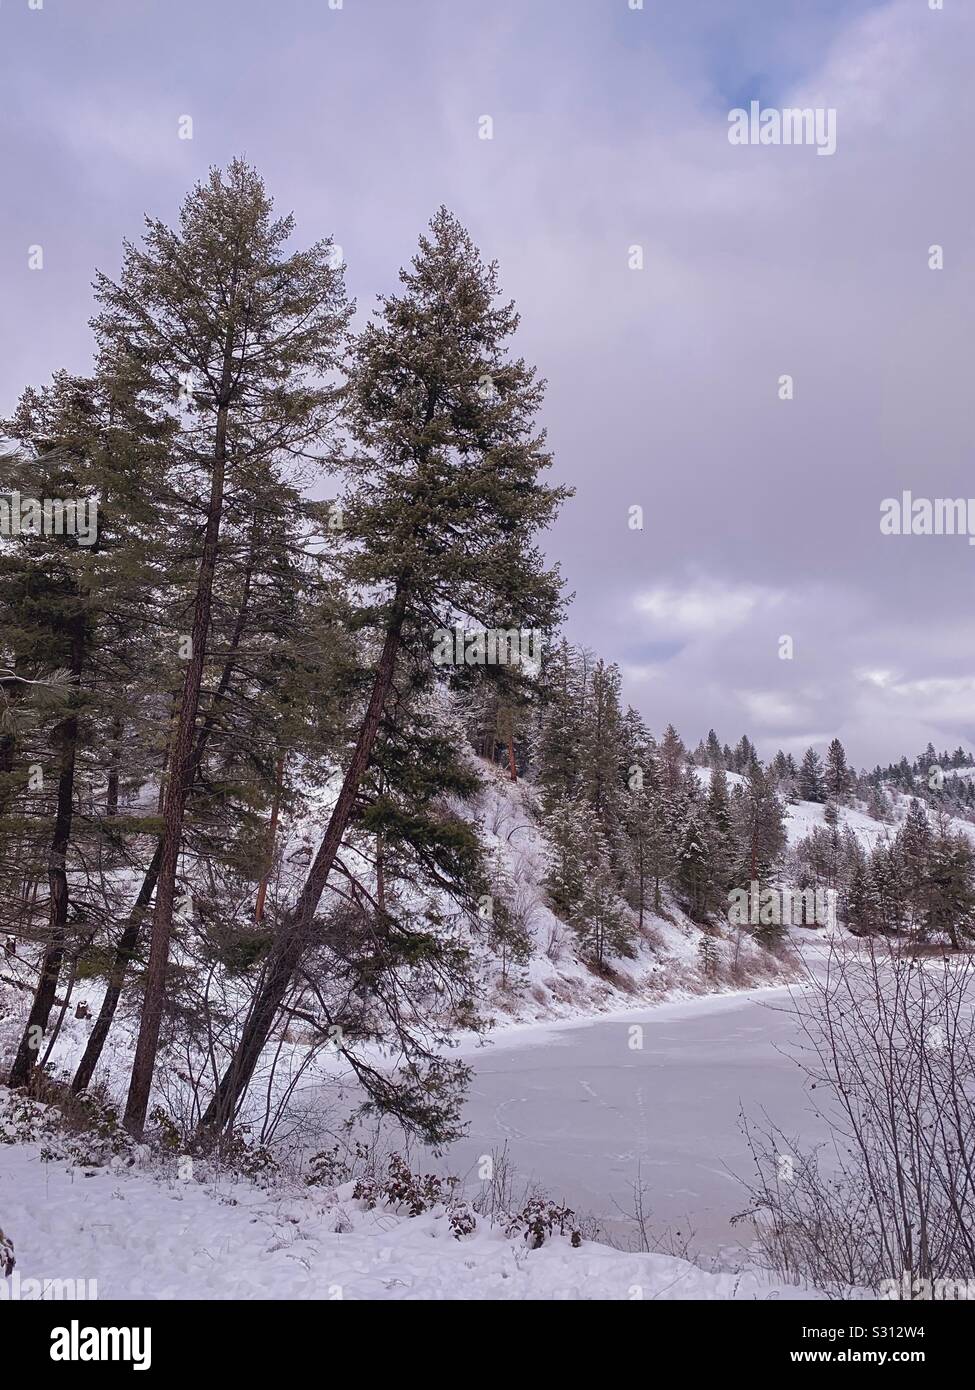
column 557, row 982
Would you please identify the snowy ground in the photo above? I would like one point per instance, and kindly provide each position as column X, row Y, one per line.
column 581, row 1110
column 140, row 1236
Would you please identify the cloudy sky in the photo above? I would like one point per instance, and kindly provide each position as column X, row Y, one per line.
column 610, row 131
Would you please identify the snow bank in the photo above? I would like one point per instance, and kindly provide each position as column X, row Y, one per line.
column 147, row 1236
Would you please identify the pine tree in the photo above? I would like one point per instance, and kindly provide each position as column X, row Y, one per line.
column 443, row 501
column 715, row 756
column 744, row 755
column 695, row 870
column 671, row 756
column 810, row 782
column 568, row 828
column 887, row 886
column 642, row 779
column 878, row 805
column 560, row 720
column 720, row 830
column 73, row 609
column 914, row 849
column 949, row 907
column 600, row 920
column 245, row 337
column 837, row 778
column 602, row 754
column 707, row 956
column 759, row 828
column 859, row 901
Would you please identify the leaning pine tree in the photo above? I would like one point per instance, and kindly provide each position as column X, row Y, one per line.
column 243, row 336
column 443, row 504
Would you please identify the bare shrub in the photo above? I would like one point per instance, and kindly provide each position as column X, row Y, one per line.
column 496, row 1196
column 639, row 1233
column 886, row 1041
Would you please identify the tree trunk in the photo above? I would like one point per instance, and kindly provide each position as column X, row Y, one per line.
column 271, row 836
column 124, row 951
column 182, row 768
column 295, row 930
column 128, row 942
column 27, row 1052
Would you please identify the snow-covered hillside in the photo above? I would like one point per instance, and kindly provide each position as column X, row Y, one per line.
column 557, row 982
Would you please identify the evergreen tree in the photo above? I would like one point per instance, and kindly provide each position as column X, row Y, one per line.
column 878, row 805
column 759, row 828
column 602, row 754
column 837, row 778
column 914, row 849
column 246, row 337
column 695, row 871
column 860, row 902
column 810, row 781
column 949, row 907
column 715, row 756
column 671, row 756
column 720, row 832
column 568, row 828
column 707, row 956
column 443, row 501
column 744, row 755
column 600, row 920
column 72, row 604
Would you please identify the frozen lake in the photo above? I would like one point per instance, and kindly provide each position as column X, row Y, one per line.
column 580, row 1109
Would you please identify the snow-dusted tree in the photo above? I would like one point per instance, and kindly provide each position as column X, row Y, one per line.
column 878, row 804
column 914, row 849
column 837, row 778
column 810, row 781
column 888, row 885
column 696, row 877
column 712, row 747
column 744, row 755
column 708, row 958
column 858, row 903
column 602, row 752
column 245, row 333
column 568, row 834
column 949, row 907
column 600, row 919
column 443, row 504
column 671, row 756
column 720, row 830
column 759, row 828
